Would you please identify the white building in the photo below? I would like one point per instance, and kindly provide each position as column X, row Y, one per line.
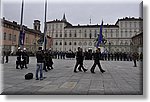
column 68, row 37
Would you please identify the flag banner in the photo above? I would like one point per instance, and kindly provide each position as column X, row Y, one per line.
column 22, row 37
column 100, row 37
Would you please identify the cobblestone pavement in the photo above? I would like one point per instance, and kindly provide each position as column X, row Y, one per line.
column 120, row 78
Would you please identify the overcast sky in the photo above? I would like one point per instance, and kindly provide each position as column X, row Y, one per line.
column 77, row 12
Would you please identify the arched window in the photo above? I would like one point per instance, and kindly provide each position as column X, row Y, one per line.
column 69, row 43
column 60, row 43
column 90, row 43
column 56, row 43
column 80, row 44
column 85, row 43
column 65, row 43
column 75, row 43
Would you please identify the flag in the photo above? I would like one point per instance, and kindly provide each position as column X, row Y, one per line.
column 100, row 37
column 22, row 37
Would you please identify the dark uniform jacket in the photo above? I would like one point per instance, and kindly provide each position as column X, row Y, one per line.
column 96, row 57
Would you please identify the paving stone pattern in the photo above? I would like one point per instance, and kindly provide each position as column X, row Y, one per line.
column 120, row 78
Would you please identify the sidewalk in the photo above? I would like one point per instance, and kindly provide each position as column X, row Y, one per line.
column 120, row 78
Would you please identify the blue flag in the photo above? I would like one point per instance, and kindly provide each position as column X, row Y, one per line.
column 22, row 37
column 100, row 37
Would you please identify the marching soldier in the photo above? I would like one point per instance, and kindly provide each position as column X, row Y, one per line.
column 79, row 60
column 96, row 58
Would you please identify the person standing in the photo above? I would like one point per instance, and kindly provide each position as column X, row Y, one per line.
column 135, row 57
column 19, row 56
column 96, row 57
column 79, row 60
column 7, row 54
column 25, row 58
column 40, row 62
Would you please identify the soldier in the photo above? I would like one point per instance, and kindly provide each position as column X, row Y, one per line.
column 96, row 57
column 79, row 60
column 25, row 58
column 19, row 55
column 135, row 56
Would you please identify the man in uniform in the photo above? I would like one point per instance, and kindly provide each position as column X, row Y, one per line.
column 96, row 57
column 79, row 60
column 19, row 55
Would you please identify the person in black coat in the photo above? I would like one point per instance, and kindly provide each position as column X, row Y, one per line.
column 40, row 62
column 18, row 61
column 25, row 58
column 96, row 57
column 79, row 60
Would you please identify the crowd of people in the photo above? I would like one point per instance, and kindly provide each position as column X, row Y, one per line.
column 45, row 62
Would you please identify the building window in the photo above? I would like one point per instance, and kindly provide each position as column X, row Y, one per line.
column 4, row 36
column 69, row 43
column 65, row 43
column 56, row 43
column 70, row 34
column 75, row 35
column 134, row 24
column 60, row 43
column 65, row 33
column 14, row 38
column 80, row 44
column 85, row 33
column 125, row 24
column 130, row 24
column 111, row 35
column 126, row 34
column 90, row 43
column 56, row 35
column 85, row 43
column 121, row 43
column 126, row 43
column 10, row 37
column 75, row 43
column 60, row 35
column 90, row 35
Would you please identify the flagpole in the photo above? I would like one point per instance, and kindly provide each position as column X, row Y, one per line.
column 45, row 36
column 21, row 27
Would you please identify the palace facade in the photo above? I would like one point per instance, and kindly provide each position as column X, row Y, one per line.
column 66, row 36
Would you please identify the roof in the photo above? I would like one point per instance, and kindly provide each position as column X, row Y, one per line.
column 92, row 26
column 14, row 24
column 138, row 35
column 129, row 19
column 59, row 21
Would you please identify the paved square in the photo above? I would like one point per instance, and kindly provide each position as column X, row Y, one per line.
column 120, row 78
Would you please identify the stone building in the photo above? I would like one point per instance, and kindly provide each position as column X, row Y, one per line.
column 68, row 37
column 10, row 36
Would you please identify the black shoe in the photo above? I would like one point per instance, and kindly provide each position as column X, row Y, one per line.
column 92, row 72
column 17, row 68
column 46, row 71
column 48, row 68
column 75, row 71
column 85, row 70
column 103, row 71
column 37, row 79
